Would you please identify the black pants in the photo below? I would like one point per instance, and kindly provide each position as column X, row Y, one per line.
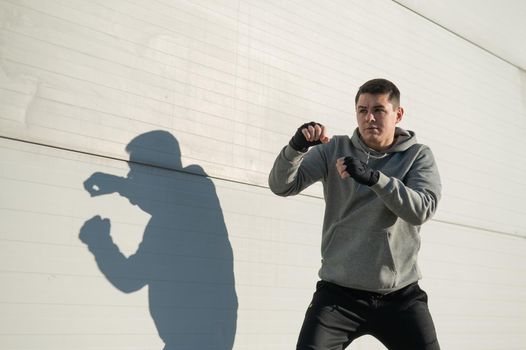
column 338, row 315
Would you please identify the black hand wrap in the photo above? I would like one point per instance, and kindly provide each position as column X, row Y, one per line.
column 299, row 142
column 360, row 172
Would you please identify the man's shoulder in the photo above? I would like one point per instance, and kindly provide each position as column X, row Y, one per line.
column 420, row 147
column 340, row 139
column 336, row 143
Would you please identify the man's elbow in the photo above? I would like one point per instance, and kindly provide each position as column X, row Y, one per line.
column 282, row 192
column 418, row 220
column 279, row 188
column 423, row 215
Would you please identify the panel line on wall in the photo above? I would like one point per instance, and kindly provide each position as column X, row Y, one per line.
column 458, row 224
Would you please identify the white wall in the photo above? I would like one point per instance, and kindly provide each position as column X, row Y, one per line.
column 231, row 81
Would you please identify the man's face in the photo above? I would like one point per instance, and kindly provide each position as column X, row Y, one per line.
column 377, row 119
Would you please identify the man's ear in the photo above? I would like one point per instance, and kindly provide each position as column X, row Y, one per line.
column 399, row 114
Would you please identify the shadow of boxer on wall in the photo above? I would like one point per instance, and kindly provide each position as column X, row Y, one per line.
column 185, row 257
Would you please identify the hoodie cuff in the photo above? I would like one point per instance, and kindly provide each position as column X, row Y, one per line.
column 383, row 182
column 291, row 154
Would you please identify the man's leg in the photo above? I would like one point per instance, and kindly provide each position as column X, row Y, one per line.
column 403, row 321
column 333, row 319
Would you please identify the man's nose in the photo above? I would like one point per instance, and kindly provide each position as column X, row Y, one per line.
column 370, row 118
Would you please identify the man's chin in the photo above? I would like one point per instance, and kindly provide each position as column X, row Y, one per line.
column 371, row 138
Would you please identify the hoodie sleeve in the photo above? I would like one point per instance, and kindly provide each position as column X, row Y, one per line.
column 294, row 171
column 415, row 199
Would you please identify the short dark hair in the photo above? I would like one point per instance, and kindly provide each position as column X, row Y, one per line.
column 380, row 87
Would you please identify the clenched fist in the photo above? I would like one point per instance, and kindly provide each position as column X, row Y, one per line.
column 307, row 135
column 95, row 230
column 358, row 170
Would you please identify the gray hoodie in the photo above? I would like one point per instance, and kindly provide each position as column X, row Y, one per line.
column 370, row 238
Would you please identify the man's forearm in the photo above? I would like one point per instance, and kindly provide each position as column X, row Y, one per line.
column 415, row 207
column 283, row 176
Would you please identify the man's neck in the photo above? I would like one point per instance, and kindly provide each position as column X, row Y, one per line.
column 380, row 147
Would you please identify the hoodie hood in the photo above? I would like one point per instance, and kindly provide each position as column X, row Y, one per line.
column 403, row 140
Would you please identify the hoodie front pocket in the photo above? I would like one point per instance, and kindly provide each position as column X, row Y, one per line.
column 361, row 255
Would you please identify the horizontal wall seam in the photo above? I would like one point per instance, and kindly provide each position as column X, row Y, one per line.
column 504, row 233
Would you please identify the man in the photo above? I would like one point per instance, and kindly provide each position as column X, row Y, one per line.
column 379, row 186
